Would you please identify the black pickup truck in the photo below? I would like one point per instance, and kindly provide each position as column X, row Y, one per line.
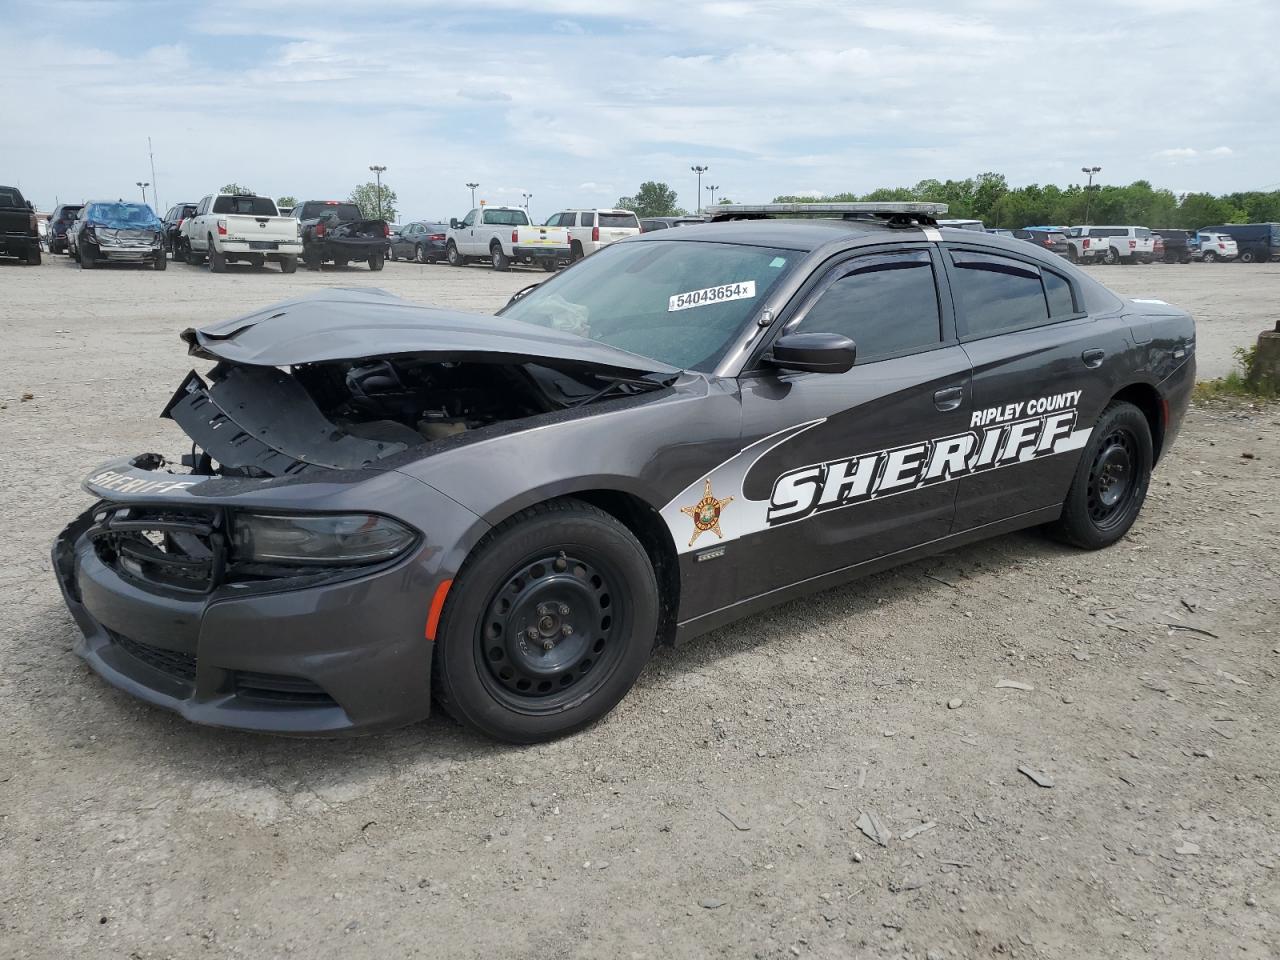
column 336, row 231
column 19, row 235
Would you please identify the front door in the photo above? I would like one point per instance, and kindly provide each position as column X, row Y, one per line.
column 865, row 461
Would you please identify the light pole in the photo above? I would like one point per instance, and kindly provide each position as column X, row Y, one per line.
column 142, row 185
column 377, row 172
column 711, row 189
column 473, row 194
column 699, row 170
column 527, row 198
column 1088, row 190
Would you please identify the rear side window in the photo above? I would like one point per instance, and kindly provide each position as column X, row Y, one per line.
column 996, row 294
column 587, row 220
column 1057, row 291
column 887, row 305
column 619, row 220
column 245, row 206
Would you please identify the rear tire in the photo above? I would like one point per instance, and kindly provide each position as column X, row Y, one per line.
column 1210, row 257
column 501, row 262
column 194, row 256
column 375, row 262
column 551, row 265
column 289, row 264
column 1110, row 482
column 1111, row 256
column 217, row 260
column 311, row 259
column 1248, row 257
column 575, row 251
column 33, row 257
column 583, row 585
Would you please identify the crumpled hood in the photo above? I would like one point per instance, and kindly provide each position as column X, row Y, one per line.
column 351, row 324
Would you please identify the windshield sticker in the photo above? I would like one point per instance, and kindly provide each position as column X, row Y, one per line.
column 778, row 262
column 746, row 290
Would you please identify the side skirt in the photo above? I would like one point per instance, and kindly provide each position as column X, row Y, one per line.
column 688, row 629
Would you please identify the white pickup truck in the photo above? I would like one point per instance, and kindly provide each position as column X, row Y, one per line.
column 504, row 236
column 230, row 228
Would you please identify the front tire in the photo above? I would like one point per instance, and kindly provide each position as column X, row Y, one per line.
column 455, row 258
column 161, row 261
column 1110, row 482
column 1210, row 257
column 548, row 624
column 88, row 258
column 419, row 254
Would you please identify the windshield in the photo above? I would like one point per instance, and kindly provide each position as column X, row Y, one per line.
column 123, row 215
column 680, row 303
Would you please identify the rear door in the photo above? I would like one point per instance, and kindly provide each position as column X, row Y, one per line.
column 1039, row 380
column 869, row 471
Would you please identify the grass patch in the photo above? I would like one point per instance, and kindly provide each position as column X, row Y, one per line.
column 1238, row 384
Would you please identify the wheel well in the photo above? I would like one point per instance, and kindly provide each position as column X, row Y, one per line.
column 644, row 521
column 1147, row 399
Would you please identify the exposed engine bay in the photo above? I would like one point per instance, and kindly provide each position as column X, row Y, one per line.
column 260, row 421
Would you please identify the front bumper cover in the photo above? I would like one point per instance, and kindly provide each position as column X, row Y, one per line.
column 322, row 658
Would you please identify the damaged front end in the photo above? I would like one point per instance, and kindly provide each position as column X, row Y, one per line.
column 279, row 576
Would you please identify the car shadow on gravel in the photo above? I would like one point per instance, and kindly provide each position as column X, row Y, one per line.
column 152, row 738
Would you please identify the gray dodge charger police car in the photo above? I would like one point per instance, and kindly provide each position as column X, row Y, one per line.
column 386, row 503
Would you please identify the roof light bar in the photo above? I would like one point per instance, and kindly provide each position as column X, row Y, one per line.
column 725, row 211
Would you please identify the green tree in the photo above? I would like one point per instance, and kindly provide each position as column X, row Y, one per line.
column 653, row 199
column 286, row 201
column 366, row 198
column 234, row 187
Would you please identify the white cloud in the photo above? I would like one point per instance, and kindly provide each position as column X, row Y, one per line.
column 776, row 96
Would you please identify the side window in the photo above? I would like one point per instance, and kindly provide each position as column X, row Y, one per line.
column 886, row 304
column 1062, row 303
column 469, row 219
column 996, row 294
column 587, row 219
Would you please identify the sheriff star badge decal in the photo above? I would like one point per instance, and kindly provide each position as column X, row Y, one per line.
column 706, row 513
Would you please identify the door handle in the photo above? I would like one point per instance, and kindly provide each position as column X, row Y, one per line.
column 1093, row 358
column 948, row 398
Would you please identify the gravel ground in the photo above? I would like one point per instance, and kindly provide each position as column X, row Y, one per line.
column 715, row 812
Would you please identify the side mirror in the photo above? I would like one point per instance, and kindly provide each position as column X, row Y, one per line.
column 812, row 352
column 453, row 223
column 29, row 206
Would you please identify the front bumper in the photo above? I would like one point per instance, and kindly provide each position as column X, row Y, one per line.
column 129, row 253
column 321, row 658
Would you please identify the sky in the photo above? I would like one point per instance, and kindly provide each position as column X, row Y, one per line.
column 578, row 101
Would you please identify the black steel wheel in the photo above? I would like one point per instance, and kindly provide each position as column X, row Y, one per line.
column 548, row 624
column 547, row 627
column 1111, row 480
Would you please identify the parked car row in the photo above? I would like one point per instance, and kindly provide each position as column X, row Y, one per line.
column 1251, row 243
